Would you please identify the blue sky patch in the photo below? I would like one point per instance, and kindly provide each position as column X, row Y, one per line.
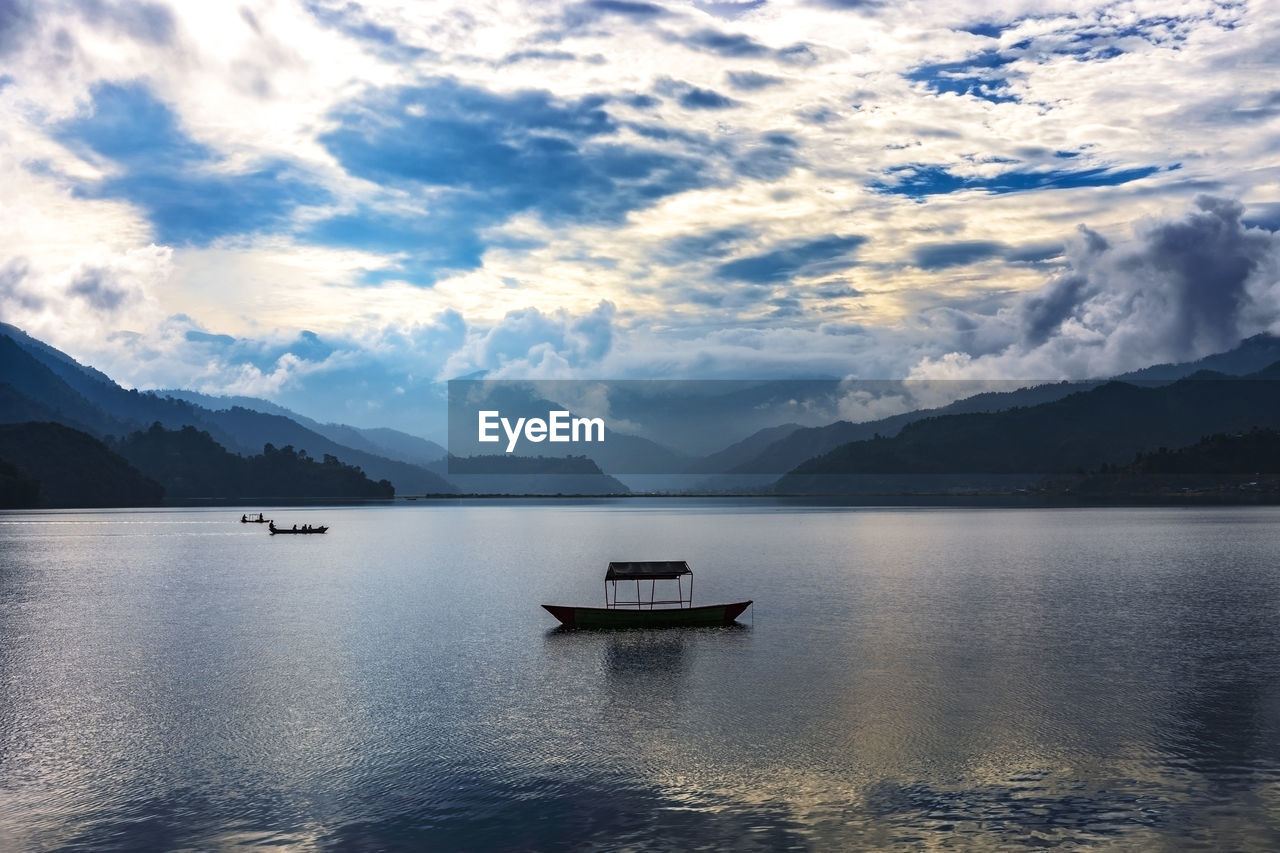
column 979, row 76
column 168, row 175
column 921, row 180
column 485, row 157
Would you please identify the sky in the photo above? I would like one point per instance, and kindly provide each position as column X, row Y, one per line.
column 339, row 205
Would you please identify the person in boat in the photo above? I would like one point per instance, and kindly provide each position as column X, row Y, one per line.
column 260, row 517
column 271, row 525
column 295, row 527
column 244, row 517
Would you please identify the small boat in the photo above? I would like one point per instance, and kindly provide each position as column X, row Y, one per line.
column 650, row 612
column 244, row 519
column 273, row 530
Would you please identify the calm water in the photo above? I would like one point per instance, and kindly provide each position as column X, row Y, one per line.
column 925, row 678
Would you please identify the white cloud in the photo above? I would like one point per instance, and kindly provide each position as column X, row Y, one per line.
column 259, row 82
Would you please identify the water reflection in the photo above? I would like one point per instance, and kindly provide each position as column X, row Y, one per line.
column 976, row 679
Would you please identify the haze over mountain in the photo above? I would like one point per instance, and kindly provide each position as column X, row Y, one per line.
column 39, row 382
column 44, row 382
column 382, row 441
column 1105, row 425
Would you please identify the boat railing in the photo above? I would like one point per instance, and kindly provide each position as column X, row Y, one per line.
column 640, row 602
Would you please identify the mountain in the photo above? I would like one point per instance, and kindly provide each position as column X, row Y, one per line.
column 805, row 443
column 190, row 464
column 791, row 450
column 1253, row 452
column 73, row 468
column 30, row 391
column 38, row 381
column 81, row 396
column 404, row 446
column 1249, row 356
column 252, row 430
column 380, row 441
column 742, row 452
column 1106, row 425
column 18, row 489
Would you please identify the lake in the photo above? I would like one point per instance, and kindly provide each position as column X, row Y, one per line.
column 911, row 678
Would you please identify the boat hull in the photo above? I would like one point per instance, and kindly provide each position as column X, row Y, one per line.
column 672, row 617
column 282, row 531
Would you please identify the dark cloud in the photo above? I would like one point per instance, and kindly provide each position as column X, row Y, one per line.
column 1044, row 312
column 770, row 160
column 629, row 8
column 350, row 19
column 1094, row 242
column 819, row 115
column 172, row 177
column 198, row 337
column 695, row 98
column 1183, row 290
column 837, row 290
column 934, row 256
column 729, row 10
column 728, row 45
column 751, row 81
column 13, row 275
column 264, row 355
column 1206, row 261
column 708, row 244
column 547, row 56
column 692, row 97
column 148, row 22
column 17, row 24
column 98, row 288
column 794, row 260
column 849, row 5
column 786, row 306
column 581, row 15
column 1031, row 253
column 797, row 54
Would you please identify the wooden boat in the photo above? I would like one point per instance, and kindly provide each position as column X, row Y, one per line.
column 650, row 612
column 244, row 519
column 273, row 530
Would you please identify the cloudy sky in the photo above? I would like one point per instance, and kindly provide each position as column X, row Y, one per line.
column 337, row 204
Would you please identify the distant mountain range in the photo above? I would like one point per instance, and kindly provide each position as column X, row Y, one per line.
column 1105, row 425
column 37, row 382
column 1041, row 428
column 798, row 445
column 380, row 441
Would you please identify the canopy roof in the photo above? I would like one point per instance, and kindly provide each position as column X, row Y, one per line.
column 646, row 570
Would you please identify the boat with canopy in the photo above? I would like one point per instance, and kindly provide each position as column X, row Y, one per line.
column 647, row 609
